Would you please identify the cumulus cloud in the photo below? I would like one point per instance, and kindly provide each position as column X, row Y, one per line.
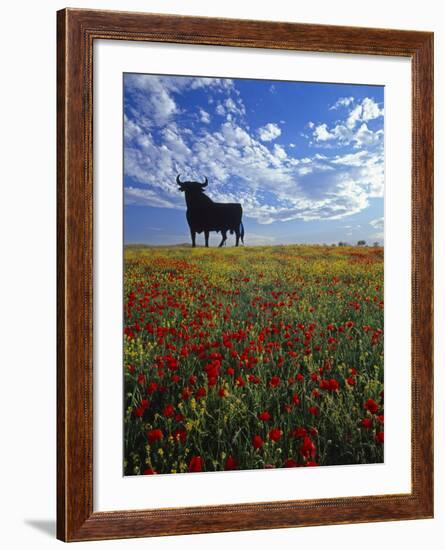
column 269, row 132
column 220, row 110
column 242, row 165
column 153, row 97
column 341, row 102
column 367, row 110
column 204, row 116
column 370, row 109
column 321, row 133
column 353, row 129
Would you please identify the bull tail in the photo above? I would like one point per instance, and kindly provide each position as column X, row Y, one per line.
column 242, row 232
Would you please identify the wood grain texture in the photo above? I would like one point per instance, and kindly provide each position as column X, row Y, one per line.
column 76, row 32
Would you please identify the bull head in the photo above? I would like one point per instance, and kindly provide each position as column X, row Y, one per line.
column 191, row 185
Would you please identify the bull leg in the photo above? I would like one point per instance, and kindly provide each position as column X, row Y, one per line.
column 206, row 236
column 237, row 237
column 224, row 238
column 193, row 234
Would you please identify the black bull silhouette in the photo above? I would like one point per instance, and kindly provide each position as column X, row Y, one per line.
column 205, row 215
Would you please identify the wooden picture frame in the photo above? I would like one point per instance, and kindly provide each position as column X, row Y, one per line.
column 77, row 31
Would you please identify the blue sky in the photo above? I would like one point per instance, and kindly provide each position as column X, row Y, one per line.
column 306, row 160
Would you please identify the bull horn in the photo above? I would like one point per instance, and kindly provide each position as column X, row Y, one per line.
column 205, row 183
column 178, row 181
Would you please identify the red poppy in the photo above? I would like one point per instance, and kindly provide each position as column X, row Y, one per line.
column 253, row 379
column 290, row 463
column 169, row 411
column 141, row 379
column 155, row 435
column 257, row 442
column 152, row 387
column 139, row 411
column 366, row 423
column 299, row 432
column 371, row 406
column 313, row 410
column 308, row 448
column 239, row 381
column 230, row 463
column 200, row 392
column 186, row 393
column 149, row 472
column 350, row 381
column 295, row 399
column 274, row 381
column 196, row 464
column 275, row 434
column 265, row 416
column 380, row 437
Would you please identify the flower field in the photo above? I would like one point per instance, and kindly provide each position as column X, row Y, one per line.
column 252, row 357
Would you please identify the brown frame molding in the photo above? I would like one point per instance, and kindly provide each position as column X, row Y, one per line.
column 76, row 31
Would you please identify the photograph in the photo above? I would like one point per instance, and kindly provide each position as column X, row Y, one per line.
column 253, row 274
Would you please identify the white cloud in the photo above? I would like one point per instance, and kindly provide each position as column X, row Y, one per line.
column 244, row 166
column 235, row 107
column 377, row 223
column 364, row 137
column 321, row 133
column 342, row 102
column 204, row 116
column 367, row 110
column 346, row 131
column 134, row 195
column 279, row 151
column 269, row 132
column 199, row 82
column 220, row 110
column 370, row 109
column 350, row 159
column 354, row 116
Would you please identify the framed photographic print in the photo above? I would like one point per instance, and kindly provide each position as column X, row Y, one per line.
column 245, row 228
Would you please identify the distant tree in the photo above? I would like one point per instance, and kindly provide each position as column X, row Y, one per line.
column 361, row 243
column 341, row 243
column 376, row 244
